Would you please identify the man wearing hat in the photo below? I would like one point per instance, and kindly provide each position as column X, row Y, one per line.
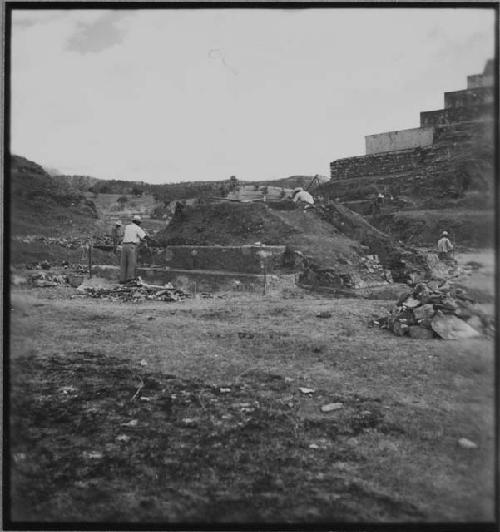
column 303, row 197
column 132, row 237
column 116, row 234
column 444, row 246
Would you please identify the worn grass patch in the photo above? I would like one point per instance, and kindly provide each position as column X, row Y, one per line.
column 220, row 430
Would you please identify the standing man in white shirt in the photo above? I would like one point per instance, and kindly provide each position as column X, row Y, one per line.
column 445, row 247
column 132, row 237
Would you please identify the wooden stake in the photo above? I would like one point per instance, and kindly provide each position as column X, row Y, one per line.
column 90, row 258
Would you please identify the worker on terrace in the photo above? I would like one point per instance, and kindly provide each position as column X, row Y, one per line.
column 132, row 237
column 303, row 197
column 444, row 246
column 116, row 234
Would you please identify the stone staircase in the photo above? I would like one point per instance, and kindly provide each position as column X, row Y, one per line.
column 424, row 162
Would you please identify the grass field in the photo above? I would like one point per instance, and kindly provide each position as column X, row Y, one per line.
column 192, row 412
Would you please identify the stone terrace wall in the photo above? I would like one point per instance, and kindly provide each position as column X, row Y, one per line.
column 469, row 97
column 243, row 259
column 398, row 162
column 398, row 140
column 456, row 114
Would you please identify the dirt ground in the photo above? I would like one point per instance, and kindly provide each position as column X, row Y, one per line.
column 192, row 412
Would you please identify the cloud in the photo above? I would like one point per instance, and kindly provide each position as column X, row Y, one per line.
column 29, row 18
column 97, row 35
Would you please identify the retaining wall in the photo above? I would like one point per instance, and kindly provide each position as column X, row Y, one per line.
column 456, row 114
column 197, row 281
column 244, row 259
column 399, row 140
column 469, row 97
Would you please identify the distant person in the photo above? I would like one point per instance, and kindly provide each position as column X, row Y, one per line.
column 377, row 203
column 116, row 235
column 445, row 247
column 303, row 197
column 132, row 237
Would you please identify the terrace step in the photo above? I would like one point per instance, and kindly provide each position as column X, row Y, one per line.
column 196, row 281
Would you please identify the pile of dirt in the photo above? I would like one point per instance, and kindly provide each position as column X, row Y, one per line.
column 330, row 238
column 134, row 291
column 225, row 224
column 436, row 309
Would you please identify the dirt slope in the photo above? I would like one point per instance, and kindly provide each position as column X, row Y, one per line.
column 422, row 227
column 247, row 223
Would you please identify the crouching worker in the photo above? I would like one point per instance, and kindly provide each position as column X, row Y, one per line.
column 132, row 237
column 445, row 247
column 303, row 197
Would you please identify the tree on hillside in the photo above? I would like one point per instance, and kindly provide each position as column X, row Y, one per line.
column 137, row 191
column 121, row 201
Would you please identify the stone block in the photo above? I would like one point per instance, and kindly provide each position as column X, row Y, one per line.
column 420, row 333
column 424, row 312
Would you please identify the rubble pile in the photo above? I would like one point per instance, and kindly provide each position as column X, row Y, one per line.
column 371, row 263
column 42, row 279
column 436, row 309
column 134, row 291
column 69, row 243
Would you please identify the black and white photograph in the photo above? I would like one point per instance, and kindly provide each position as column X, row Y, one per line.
column 250, row 258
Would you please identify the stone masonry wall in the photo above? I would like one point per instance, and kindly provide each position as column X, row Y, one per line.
column 398, row 162
column 244, row 259
column 469, row 97
column 456, row 114
column 399, row 140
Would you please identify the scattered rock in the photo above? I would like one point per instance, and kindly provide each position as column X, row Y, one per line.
column 313, row 446
column 92, row 455
column 324, row 315
column 467, row 444
column 306, row 391
column 123, row 438
column 19, row 457
column 331, row 406
column 133, row 291
column 449, row 327
column 476, row 323
column 42, row 283
column 411, row 302
column 424, row 312
column 420, row 333
column 400, row 329
column 225, row 390
column 433, row 306
column 143, row 362
column 241, row 405
column 131, row 423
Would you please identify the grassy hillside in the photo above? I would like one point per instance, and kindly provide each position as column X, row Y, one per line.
column 42, row 205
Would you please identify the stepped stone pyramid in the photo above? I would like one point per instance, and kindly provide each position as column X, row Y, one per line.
column 437, row 159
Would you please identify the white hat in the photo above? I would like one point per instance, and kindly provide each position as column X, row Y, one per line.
column 445, row 233
column 137, row 218
column 118, row 222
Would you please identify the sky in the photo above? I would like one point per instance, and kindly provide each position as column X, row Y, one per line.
column 202, row 94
